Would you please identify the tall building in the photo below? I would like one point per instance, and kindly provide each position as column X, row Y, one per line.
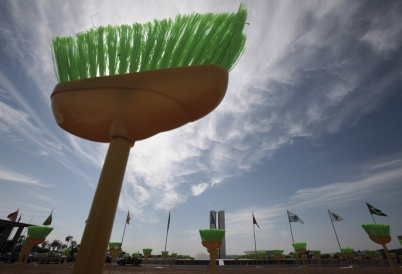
column 221, row 225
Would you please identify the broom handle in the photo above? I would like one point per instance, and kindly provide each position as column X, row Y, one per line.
column 94, row 243
column 389, row 259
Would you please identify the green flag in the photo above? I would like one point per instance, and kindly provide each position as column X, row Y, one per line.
column 375, row 211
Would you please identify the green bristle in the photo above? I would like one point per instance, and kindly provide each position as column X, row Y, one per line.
column 212, row 234
column 188, row 40
column 111, row 40
column 368, row 252
column 125, row 34
column 147, row 250
column 400, row 241
column 135, row 255
column 262, row 252
column 24, row 242
column 165, row 252
column 126, row 255
column 83, row 60
column 317, row 251
column 174, row 254
column 75, row 254
column 347, row 250
column 55, row 254
column 276, row 251
column 91, row 39
column 299, row 245
column 39, row 231
column 66, row 251
column 179, row 256
column 101, row 53
column 304, row 256
column 392, row 255
column 114, row 245
column 295, row 253
column 376, row 229
column 331, row 255
column 377, row 253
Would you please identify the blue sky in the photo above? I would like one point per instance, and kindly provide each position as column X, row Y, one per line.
column 310, row 122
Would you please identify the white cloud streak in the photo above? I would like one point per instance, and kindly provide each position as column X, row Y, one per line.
column 11, row 176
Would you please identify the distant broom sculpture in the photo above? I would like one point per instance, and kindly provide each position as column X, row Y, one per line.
column 300, row 248
column 212, row 240
column 35, row 236
column 162, row 75
column 114, row 247
column 380, row 234
column 147, row 254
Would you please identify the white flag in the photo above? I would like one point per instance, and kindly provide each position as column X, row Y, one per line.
column 334, row 217
column 294, row 218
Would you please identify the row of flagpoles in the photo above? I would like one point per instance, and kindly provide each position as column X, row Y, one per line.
column 292, row 217
column 14, row 215
column 334, row 217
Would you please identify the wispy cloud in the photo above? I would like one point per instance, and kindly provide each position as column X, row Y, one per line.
column 198, row 189
column 11, row 176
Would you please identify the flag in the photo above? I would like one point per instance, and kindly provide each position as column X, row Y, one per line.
column 13, row 216
column 128, row 218
column 375, row 211
column 48, row 221
column 255, row 222
column 168, row 223
column 212, row 221
column 334, row 217
column 19, row 219
column 294, row 218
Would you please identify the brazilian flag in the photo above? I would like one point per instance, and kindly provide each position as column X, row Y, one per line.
column 375, row 211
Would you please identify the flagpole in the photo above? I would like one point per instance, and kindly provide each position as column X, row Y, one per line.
column 167, row 231
column 255, row 243
column 373, row 218
column 335, row 231
column 291, row 232
column 26, row 230
column 124, row 231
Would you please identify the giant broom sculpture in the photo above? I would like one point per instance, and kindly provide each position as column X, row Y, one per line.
column 162, row 75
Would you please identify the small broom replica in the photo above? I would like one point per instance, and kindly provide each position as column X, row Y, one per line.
column 35, row 236
column 212, row 240
column 124, row 84
column 300, row 248
column 380, row 234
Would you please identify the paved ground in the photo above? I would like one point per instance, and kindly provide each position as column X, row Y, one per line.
column 67, row 269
